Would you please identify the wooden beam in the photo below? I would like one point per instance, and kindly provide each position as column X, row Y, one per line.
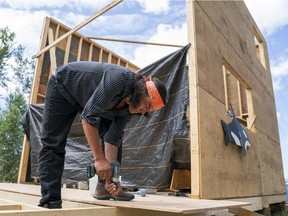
column 135, row 42
column 90, row 19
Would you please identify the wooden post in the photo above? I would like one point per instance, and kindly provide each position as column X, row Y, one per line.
column 193, row 97
column 90, row 19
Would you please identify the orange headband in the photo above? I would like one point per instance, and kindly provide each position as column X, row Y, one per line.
column 157, row 101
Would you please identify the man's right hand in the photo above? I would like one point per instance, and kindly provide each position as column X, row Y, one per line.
column 103, row 169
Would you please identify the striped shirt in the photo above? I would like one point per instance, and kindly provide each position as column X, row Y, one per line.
column 98, row 88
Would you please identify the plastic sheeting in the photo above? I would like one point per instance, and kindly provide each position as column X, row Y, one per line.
column 152, row 147
column 78, row 154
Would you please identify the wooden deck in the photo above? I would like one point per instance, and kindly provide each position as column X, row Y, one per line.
column 23, row 199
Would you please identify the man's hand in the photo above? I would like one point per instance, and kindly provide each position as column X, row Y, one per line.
column 112, row 188
column 103, row 168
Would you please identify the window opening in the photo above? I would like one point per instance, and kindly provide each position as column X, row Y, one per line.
column 239, row 95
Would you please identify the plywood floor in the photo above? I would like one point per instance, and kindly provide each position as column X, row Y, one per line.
column 150, row 202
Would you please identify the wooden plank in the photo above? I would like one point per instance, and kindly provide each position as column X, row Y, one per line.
column 90, row 19
column 193, row 97
column 63, row 212
column 150, row 202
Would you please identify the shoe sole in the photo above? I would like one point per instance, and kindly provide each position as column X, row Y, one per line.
column 113, row 198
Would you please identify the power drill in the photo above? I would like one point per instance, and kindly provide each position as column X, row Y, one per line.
column 115, row 166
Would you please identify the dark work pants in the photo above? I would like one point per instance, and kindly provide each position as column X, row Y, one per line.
column 57, row 119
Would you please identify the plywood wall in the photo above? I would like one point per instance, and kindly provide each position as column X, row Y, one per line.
column 223, row 35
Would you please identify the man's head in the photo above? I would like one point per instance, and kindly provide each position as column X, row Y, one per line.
column 147, row 96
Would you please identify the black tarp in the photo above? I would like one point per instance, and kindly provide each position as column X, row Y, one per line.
column 152, row 147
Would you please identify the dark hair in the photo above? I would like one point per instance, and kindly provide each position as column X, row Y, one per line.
column 161, row 89
column 139, row 91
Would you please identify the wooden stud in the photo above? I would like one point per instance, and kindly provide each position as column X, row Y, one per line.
column 67, row 50
column 105, row 9
column 101, row 55
column 90, row 52
column 52, row 53
column 239, row 99
column 79, row 49
column 250, row 121
column 225, row 88
column 118, row 61
column 109, row 57
column 24, row 161
column 57, row 31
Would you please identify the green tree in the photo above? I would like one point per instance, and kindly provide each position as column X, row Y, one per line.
column 14, row 68
column 11, row 136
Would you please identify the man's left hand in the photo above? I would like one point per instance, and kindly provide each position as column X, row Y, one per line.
column 113, row 188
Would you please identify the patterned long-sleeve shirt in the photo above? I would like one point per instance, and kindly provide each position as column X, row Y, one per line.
column 98, row 88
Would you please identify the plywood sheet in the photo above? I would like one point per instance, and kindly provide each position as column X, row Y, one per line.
column 225, row 171
column 150, row 202
column 225, row 36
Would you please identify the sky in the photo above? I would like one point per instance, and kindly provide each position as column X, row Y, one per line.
column 162, row 21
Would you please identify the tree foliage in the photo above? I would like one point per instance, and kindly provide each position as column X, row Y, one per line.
column 12, row 60
column 11, row 136
column 15, row 69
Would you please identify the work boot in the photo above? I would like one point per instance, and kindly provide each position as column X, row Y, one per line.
column 52, row 205
column 102, row 194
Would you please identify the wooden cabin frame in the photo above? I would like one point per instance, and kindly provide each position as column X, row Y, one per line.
column 228, row 64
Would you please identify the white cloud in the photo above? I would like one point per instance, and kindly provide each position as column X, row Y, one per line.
column 155, row 6
column 270, row 16
column 280, row 67
column 27, row 27
column 54, row 4
column 146, row 54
